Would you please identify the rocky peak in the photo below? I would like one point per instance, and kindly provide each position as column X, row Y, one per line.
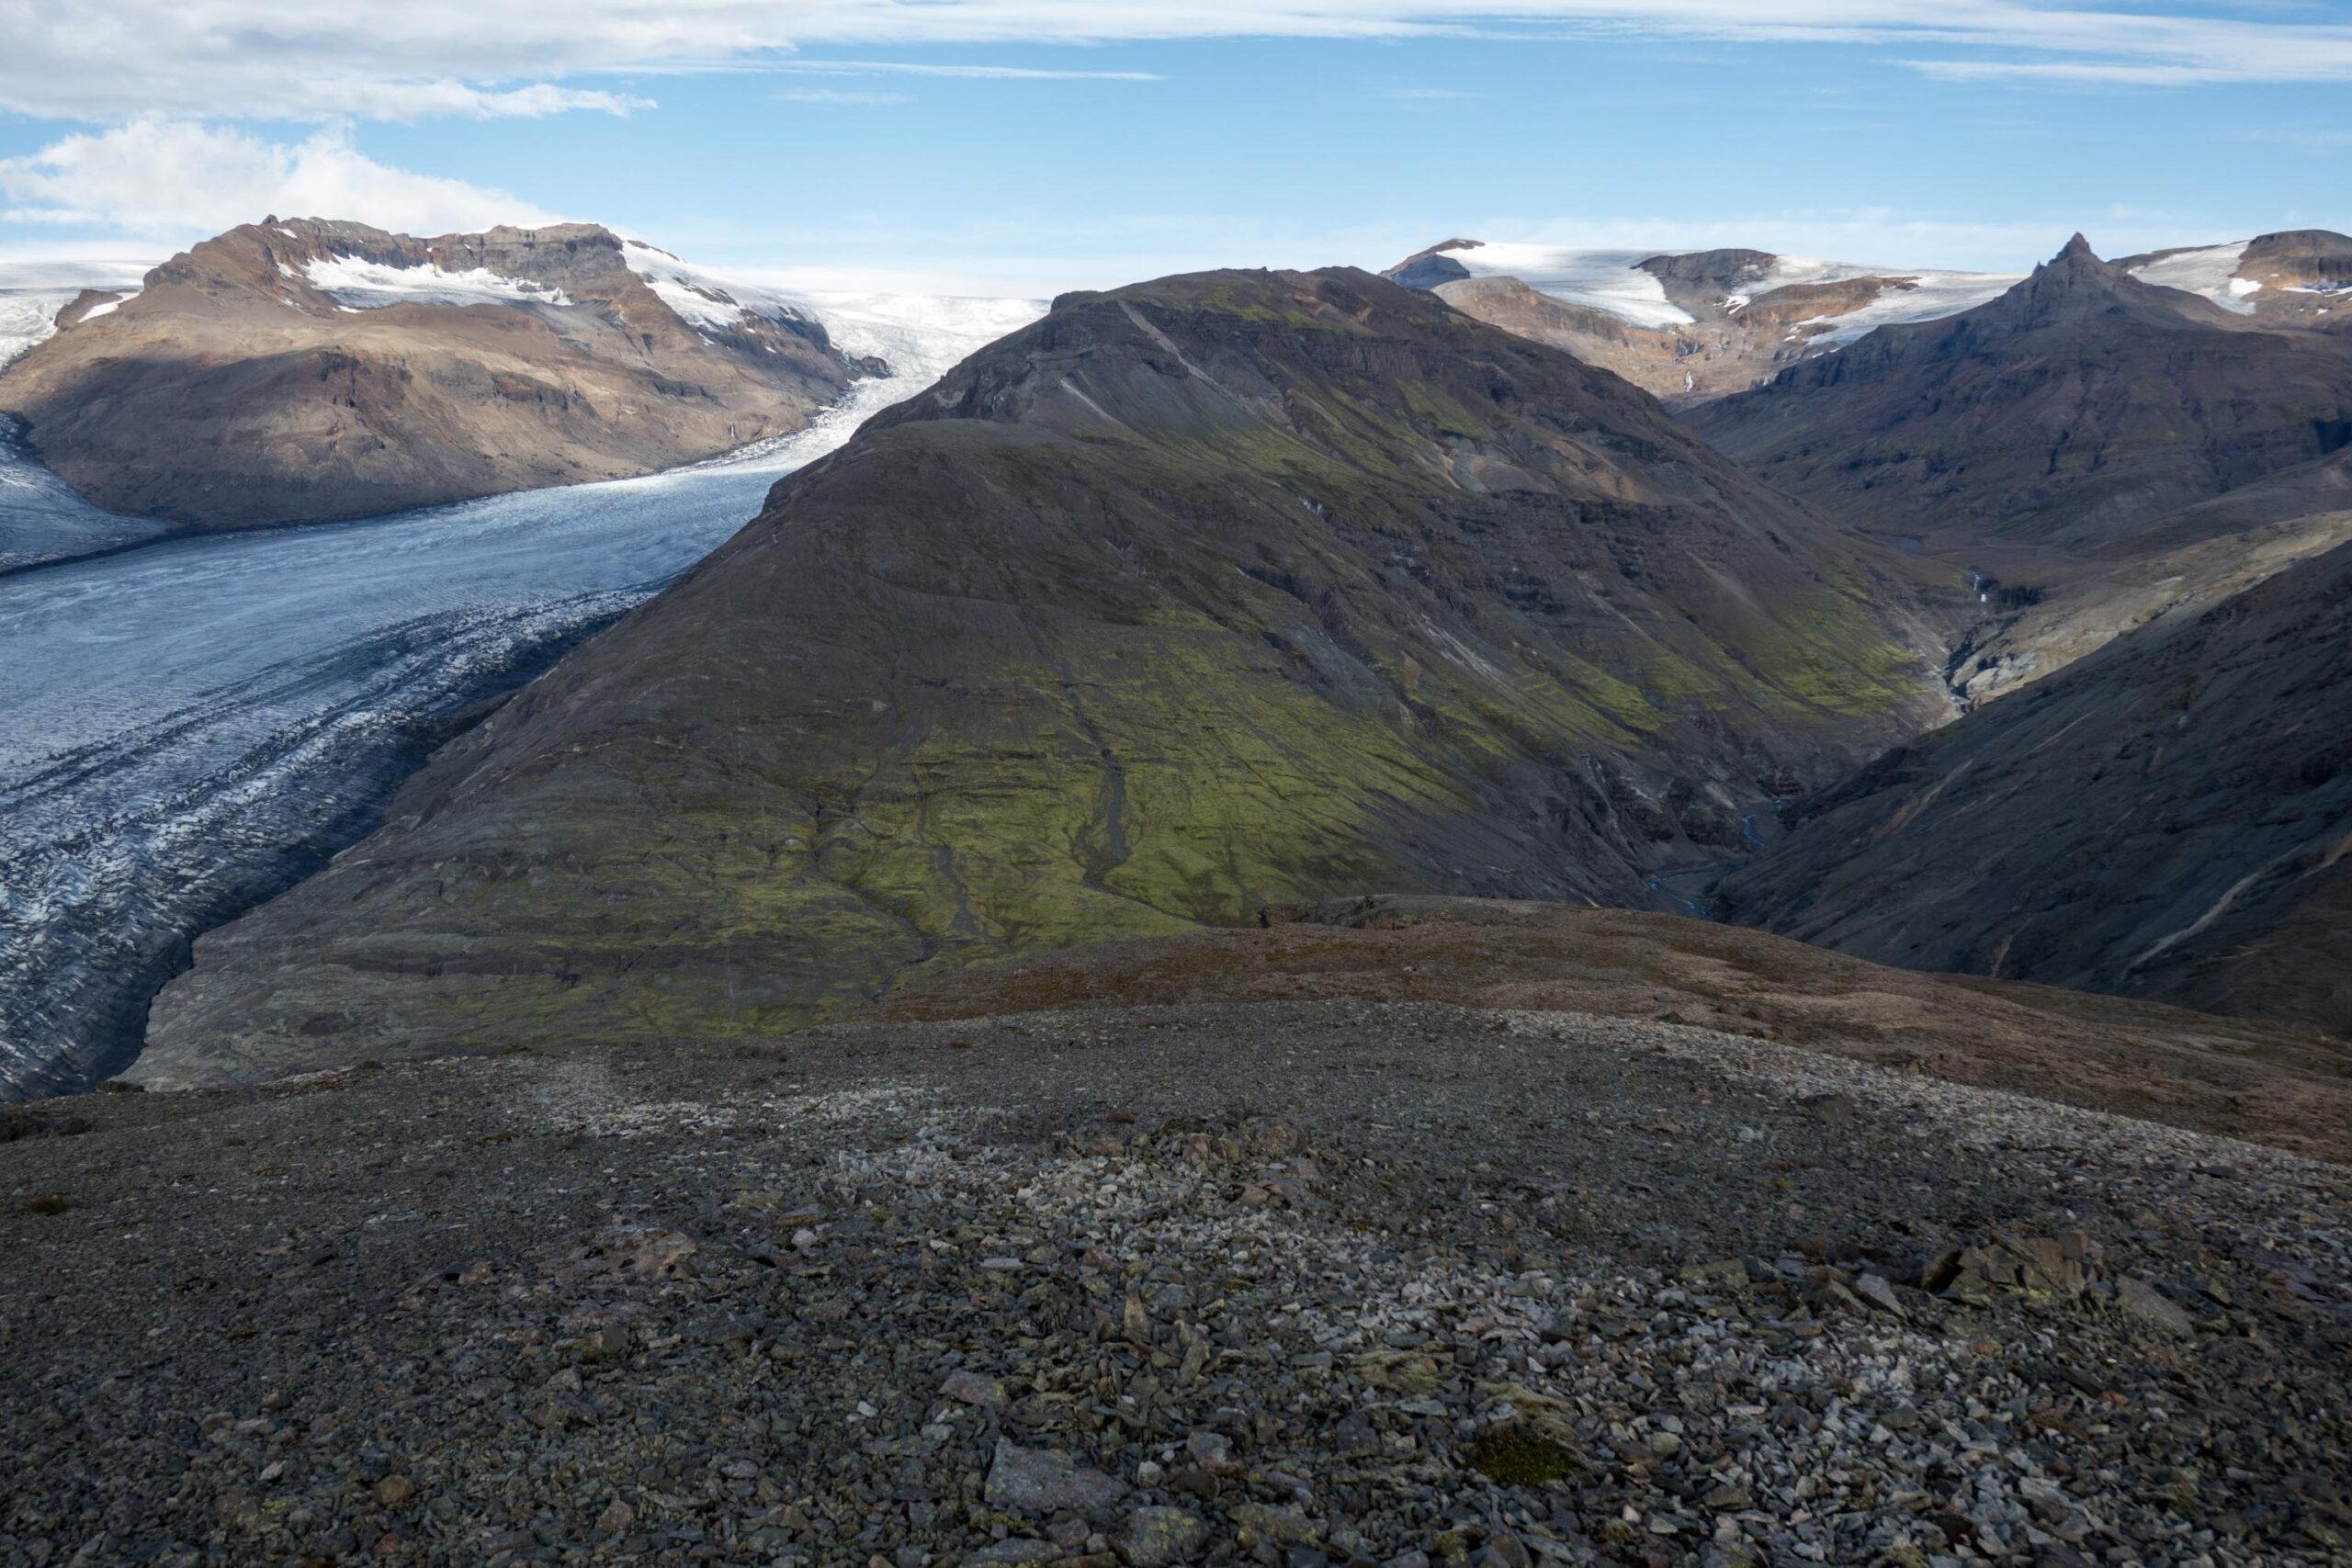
column 1721, row 269
column 1427, row 269
column 2075, row 287
column 1344, row 362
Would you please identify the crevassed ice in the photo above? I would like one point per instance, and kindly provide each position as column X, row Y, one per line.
column 185, row 727
column 360, row 284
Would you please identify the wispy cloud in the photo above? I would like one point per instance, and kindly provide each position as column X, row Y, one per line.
column 2110, row 73
column 114, row 60
column 974, row 72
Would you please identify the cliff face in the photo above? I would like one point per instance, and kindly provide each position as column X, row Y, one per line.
column 2169, row 817
column 1223, row 591
column 305, row 371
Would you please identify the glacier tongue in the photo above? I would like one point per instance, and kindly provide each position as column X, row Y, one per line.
column 189, row 727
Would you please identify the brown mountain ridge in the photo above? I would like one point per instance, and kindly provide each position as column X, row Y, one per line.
column 301, row 370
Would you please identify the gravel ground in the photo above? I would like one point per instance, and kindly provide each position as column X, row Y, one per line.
column 1293, row 1284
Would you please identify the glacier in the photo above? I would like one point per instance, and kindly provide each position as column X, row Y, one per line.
column 187, row 725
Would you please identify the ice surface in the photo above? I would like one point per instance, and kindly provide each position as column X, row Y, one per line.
column 189, row 725
column 920, row 335
column 43, row 520
column 2210, row 271
column 1602, row 280
column 358, row 283
column 703, row 299
column 1611, row 280
column 1934, row 296
column 32, row 293
column 40, row 518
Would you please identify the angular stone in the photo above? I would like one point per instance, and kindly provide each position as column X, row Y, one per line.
column 971, row 1388
column 1257, row 1522
column 1879, row 1294
column 1157, row 1537
column 2139, row 1299
column 1721, row 1271
column 1043, row 1483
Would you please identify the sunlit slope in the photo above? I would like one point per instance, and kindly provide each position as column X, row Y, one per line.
column 1228, row 591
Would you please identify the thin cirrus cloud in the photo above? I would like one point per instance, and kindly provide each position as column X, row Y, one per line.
column 968, row 73
column 153, row 89
column 107, row 61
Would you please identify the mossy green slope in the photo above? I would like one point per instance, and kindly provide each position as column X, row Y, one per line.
column 1224, row 591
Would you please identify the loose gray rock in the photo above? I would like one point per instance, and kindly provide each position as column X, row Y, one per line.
column 1042, row 1483
column 2142, row 1301
column 1159, row 1537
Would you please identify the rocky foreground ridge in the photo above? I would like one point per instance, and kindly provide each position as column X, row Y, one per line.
column 305, row 370
column 1222, row 592
column 1357, row 1278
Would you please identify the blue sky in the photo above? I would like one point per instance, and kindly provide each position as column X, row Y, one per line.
column 1030, row 145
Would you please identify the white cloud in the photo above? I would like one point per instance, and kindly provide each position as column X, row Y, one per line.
column 171, row 178
column 111, row 60
column 2113, row 73
column 978, row 73
column 430, row 100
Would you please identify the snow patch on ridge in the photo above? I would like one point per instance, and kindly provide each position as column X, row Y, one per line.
column 2210, row 271
column 704, row 300
column 1613, row 281
column 1599, row 280
column 357, row 283
column 1932, row 297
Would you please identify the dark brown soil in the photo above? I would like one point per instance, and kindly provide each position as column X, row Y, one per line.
column 2266, row 1083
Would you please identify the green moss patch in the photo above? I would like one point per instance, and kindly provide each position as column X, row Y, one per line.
column 1520, row 1458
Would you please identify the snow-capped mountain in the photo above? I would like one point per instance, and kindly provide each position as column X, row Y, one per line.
column 306, row 370
column 1690, row 325
column 2298, row 277
column 1694, row 325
